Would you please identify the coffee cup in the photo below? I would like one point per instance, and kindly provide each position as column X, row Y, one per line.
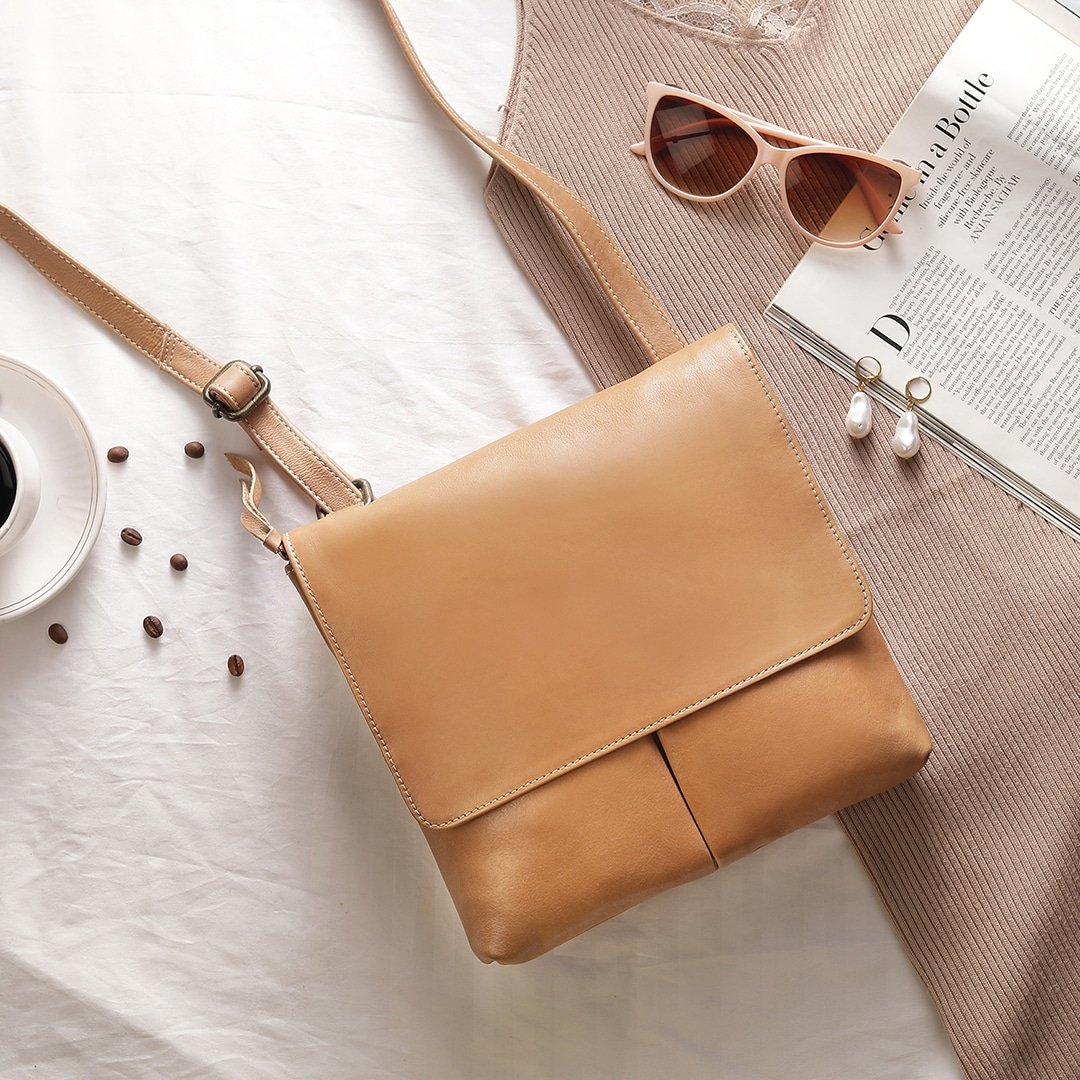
column 20, row 485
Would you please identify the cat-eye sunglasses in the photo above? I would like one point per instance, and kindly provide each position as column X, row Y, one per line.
column 834, row 195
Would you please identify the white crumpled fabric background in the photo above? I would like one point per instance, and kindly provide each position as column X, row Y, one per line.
column 211, row 877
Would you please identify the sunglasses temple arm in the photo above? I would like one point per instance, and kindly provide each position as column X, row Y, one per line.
column 763, row 128
column 758, row 125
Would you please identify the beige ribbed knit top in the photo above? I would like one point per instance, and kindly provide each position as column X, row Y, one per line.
column 978, row 858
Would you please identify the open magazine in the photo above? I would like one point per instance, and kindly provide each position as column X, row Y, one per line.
column 981, row 293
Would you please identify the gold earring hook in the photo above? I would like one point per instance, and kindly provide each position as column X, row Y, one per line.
column 912, row 398
column 865, row 375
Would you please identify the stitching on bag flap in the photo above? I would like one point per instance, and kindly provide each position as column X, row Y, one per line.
column 744, row 348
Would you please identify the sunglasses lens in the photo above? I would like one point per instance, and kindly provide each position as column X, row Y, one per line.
column 841, row 198
column 698, row 151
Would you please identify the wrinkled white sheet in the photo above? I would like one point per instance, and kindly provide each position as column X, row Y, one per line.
column 209, row 877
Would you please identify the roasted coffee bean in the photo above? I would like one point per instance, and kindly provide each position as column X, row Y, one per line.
column 131, row 536
column 194, row 449
column 178, row 561
column 236, row 665
column 117, row 454
column 152, row 625
column 58, row 633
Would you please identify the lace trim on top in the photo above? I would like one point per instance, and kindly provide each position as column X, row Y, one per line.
column 765, row 20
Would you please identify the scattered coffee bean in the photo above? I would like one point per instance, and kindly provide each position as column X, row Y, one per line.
column 178, row 561
column 152, row 625
column 58, row 633
column 236, row 665
column 117, row 454
column 131, row 536
column 194, row 449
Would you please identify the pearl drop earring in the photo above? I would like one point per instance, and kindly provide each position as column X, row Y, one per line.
column 860, row 417
column 907, row 440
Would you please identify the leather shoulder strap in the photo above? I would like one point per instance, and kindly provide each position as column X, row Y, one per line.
column 236, row 391
column 240, row 392
column 635, row 302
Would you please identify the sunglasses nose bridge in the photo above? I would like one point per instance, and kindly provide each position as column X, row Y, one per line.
column 770, row 155
column 769, row 166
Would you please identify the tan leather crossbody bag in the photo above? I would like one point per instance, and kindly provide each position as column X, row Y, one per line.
column 603, row 655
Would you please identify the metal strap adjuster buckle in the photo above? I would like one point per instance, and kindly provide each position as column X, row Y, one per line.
column 220, row 409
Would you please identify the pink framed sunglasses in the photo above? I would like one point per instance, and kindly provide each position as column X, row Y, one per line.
column 833, row 195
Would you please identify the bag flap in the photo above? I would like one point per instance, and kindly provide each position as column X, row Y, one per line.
column 581, row 582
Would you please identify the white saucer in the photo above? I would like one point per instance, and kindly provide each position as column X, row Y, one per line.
column 51, row 551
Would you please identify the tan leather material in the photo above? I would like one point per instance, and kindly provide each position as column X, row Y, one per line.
column 236, row 385
column 253, row 519
column 784, row 752
column 512, row 624
column 596, row 653
column 819, row 736
column 633, row 300
column 329, row 486
column 609, row 569
column 563, row 857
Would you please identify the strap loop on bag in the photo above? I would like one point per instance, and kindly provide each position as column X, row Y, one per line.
column 253, row 519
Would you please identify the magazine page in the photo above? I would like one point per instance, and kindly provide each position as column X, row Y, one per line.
column 981, row 292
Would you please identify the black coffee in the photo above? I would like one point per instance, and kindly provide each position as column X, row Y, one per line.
column 7, row 484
